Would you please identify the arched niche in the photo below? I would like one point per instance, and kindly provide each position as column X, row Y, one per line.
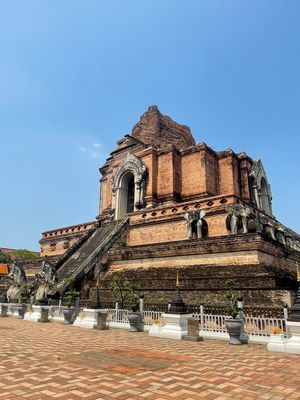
column 260, row 188
column 128, row 186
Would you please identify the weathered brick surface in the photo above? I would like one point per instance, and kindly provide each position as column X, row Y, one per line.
column 165, row 175
column 56, row 242
column 192, row 182
column 177, row 173
column 227, row 175
column 263, row 274
column 161, row 232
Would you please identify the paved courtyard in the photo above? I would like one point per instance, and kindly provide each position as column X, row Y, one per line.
column 53, row 361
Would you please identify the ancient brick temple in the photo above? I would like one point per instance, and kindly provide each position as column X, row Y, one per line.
column 168, row 204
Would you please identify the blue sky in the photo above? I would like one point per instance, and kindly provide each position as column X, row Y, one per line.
column 75, row 76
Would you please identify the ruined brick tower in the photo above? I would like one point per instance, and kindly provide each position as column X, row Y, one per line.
column 168, row 204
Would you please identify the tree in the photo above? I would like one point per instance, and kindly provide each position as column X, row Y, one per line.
column 232, row 296
column 4, row 258
column 22, row 254
column 124, row 290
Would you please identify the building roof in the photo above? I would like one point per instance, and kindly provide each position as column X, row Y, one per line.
column 3, row 269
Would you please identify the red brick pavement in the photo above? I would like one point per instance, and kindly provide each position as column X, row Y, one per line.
column 54, row 361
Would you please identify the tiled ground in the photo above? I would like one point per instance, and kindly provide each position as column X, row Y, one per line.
column 53, row 361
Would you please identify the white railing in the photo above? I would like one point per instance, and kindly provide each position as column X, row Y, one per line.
column 262, row 326
column 255, row 326
column 151, row 317
column 210, row 325
column 211, row 322
column 117, row 316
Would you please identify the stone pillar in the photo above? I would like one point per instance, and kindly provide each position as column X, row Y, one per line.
column 137, row 195
column 3, row 310
column 256, row 196
column 101, row 320
column 193, row 330
column 44, row 315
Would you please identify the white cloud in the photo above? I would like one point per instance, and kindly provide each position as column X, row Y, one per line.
column 92, row 150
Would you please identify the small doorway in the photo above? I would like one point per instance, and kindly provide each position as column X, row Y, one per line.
column 125, row 195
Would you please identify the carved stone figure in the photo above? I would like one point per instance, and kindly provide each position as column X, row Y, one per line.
column 268, row 226
column 239, row 214
column 17, row 277
column 195, row 223
column 46, row 280
column 289, row 240
column 297, row 245
column 234, row 212
column 280, row 234
column 85, row 291
column 190, row 219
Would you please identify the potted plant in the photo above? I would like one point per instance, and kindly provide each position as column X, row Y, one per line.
column 134, row 315
column 234, row 324
column 69, row 313
column 124, row 291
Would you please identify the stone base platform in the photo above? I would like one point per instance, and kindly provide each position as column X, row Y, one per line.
column 38, row 314
column 3, row 310
column 91, row 319
column 175, row 327
column 293, row 343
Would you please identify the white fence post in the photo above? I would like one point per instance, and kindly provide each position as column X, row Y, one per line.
column 59, row 305
column 285, row 313
column 117, row 311
column 142, row 304
column 142, row 311
column 285, row 316
column 201, row 317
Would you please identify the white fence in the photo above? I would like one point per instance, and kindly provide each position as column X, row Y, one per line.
column 257, row 328
column 261, row 326
column 212, row 326
column 118, row 318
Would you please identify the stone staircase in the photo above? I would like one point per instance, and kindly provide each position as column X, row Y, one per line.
column 84, row 258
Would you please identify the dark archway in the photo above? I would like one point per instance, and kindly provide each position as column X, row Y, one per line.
column 130, row 195
column 126, row 195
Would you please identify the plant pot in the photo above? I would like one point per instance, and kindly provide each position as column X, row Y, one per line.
column 234, row 329
column 135, row 319
column 21, row 311
column 69, row 315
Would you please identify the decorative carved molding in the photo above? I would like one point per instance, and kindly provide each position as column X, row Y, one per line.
column 133, row 164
